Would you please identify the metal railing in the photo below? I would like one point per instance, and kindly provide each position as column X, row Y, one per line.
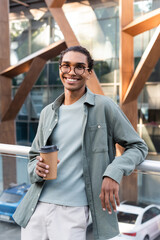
column 14, row 149
column 146, row 166
column 148, row 180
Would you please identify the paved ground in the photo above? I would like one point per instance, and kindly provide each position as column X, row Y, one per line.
column 10, row 231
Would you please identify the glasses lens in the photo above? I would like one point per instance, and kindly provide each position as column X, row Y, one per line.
column 65, row 69
column 79, row 70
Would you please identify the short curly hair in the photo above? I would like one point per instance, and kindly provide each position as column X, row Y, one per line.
column 79, row 49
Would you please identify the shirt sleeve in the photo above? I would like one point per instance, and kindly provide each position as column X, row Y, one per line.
column 34, row 152
column 135, row 149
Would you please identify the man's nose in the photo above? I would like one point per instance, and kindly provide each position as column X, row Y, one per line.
column 72, row 72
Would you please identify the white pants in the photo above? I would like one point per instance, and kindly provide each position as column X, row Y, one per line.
column 56, row 222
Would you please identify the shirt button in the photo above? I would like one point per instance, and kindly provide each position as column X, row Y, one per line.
column 50, row 129
column 56, row 120
column 99, row 126
column 32, row 209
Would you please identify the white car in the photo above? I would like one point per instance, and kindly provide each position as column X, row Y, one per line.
column 138, row 221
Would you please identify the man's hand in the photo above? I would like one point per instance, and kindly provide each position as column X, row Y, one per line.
column 109, row 194
column 42, row 169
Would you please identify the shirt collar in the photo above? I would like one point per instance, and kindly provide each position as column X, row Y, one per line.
column 90, row 99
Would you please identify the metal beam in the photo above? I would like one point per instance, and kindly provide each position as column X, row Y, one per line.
column 24, row 89
column 146, row 22
column 21, row 3
column 24, row 65
column 126, row 59
column 31, row 77
column 55, row 3
column 144, row 68
column 61, row 20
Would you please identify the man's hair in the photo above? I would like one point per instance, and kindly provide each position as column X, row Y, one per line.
column 79, row 49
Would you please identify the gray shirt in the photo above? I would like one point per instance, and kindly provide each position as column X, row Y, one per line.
column 69, row 188
column 104, row 124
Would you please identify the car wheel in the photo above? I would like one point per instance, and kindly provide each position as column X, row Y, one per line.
column 146, row 238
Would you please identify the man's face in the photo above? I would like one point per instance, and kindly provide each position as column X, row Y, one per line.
column 73, row 81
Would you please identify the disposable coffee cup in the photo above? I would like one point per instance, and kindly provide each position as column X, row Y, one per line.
column 50, row 157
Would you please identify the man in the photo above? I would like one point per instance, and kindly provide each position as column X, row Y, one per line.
column 85, row 127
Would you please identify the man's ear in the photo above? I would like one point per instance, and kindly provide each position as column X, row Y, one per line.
column 89, row 74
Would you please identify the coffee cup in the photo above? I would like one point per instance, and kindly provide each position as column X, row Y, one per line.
column 50, row 157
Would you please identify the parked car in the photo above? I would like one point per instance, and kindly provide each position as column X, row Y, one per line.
column 10, row 198
column 138, row 221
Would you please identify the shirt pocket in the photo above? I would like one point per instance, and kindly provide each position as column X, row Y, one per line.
column 98, row 137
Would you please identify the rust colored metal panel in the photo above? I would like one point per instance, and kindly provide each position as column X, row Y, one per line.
column 128, row 187
column 131, row 109
column 126, row 47
column 7, row 129
column 94, row 85
column 7, row 135
column 17, row 69
column 144, row 23
column 24, row 89
column 55, row 3
column 65, row 27
column 5, row 93
column 35, row 64
column 144, row 68
column 4, row 35
column 4, row 10
column 21, row 3
column 23, row 66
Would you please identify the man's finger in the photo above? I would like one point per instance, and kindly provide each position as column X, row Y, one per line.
column 107, row 202
column 102, row 197
column 112, row 201
column 43, row 165
column 40, row 174
column 117, row 198
column 39, row 158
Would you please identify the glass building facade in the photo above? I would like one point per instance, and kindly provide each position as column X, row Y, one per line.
column 96, row 25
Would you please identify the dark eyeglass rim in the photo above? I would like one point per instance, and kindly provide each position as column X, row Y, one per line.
column 84, row 68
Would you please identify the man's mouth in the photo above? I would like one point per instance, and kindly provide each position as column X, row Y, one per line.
column 71, row 79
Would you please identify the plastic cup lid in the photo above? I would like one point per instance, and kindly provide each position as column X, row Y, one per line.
column 47, row 149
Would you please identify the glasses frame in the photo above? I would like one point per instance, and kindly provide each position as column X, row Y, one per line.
column 69, row 67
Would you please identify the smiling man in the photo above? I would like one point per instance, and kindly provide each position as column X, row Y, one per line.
column 85, row 127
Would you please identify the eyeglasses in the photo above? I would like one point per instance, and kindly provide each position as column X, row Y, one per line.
column 79, row 70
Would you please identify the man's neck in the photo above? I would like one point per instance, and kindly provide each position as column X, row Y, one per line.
column 72, row 96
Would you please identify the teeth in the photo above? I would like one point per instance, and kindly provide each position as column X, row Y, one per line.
column 72, row 80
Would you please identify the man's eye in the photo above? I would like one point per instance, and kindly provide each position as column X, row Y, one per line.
column 80, row 67
column 65, row 66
